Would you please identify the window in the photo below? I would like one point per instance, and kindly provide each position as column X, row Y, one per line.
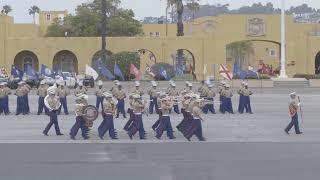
column 272, row 53
column 157, row 34
column 151, row 34
column 48, row 17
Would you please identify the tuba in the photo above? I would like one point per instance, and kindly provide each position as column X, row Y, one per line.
column 50, row 106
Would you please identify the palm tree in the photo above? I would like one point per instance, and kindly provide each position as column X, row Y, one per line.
column 193, row 6
column 240, row 51
column 33, row 11
column 6, row 9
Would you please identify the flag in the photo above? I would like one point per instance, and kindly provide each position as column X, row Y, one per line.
column 104, row 71
column 252, row 72
column 45, row 71
column 117, row 72
column 205, row 70
column 164, row 73
column 16, row 72
column 224, row 72
column 3, row 73
column 91, row 72
column 179, row 71
column 239, row 72
column 30, row 72
column 135, row 71
column 149, row 71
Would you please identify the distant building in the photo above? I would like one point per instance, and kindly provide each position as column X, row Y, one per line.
column 205, row 42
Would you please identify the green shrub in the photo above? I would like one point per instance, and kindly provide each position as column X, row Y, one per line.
column 124, row 59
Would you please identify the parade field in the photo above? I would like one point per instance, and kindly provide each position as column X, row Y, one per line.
column 251, row 146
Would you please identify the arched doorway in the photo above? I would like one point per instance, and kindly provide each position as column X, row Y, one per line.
column 65, row 61
column 97, row 56
column 25, row 59
column 187, row 61
column 147, row 56
column 317, row 63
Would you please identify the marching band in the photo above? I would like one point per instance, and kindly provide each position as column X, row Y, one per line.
column 52, row 99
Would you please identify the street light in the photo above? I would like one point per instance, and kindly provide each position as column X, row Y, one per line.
column 283, row 42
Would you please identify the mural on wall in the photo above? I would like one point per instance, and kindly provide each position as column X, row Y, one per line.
column 256, row 27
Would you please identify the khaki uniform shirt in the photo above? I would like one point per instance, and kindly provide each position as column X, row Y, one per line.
column 138, row 91
column 108, row 106
column 120, row 94
column 227, row 93
column 190, row 106
column 210, row 93
column 79, row 109
column 80, row 91
column 246, row 92
column 54, row 103
column 99, row 92
column 138, row 107
column 7, row 90
column 42, row 91
column 174, row 92
column 2, row 92
column 169, row 89
column 196, row 111
column 21, row 91
column 153, row 92
column 62, row 92
column 165, row 108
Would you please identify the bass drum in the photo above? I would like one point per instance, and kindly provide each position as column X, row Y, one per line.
column 90, row 114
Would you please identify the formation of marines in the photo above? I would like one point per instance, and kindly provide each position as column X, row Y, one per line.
column 193, row 104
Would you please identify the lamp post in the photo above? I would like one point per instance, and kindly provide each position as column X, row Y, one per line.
column 103, row 30
column 283, row 42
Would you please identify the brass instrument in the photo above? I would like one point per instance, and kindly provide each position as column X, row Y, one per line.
column 114, row 103
column 51, row 107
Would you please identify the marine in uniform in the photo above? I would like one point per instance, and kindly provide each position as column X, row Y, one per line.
column 130, row 112
column 62, row 93
column 81, row 103
column 195, row 127
column 221, row 87
column 159, row 110
column 226, row 100
column 209, row 97
column 80, row 89
column 109, row 109
column 202, row 89
column 246, row 93
column 241, row 98
column 2, row 98
column 165, row 123
column 53, row 104
column 114, row 88
column 42, row 93
column 6, row 98
column 189, row 89
column 137, row 124
column 153, row 93
column 99, row 93
column 21, row 103
column 26, row 96
column 184, row 110
column 293, row 113
column 137, row 89
column 174, row 93
column 120, row 95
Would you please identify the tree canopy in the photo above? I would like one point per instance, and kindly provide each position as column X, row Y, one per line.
column 87, row 21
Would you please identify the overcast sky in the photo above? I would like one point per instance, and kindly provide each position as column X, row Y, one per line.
column 141, row 8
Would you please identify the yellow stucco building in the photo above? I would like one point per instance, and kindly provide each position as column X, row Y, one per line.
column 204, row 44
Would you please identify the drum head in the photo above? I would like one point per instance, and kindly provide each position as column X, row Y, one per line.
column 90, row 113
